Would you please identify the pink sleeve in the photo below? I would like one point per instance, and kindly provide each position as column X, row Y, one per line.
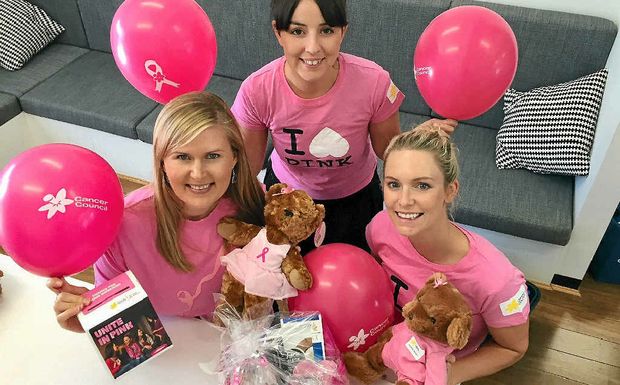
column 387, row 98
column 109, row 265
column 244, row 108
column 436, row 369
column 369, row 240
column 510, row 305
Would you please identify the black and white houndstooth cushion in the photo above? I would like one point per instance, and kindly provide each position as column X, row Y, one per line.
column 25, row 29
column 550, row 130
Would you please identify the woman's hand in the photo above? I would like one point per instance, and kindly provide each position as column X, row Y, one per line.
column 69, row 302
column 446, row 125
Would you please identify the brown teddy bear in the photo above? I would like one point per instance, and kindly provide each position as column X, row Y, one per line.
column 269, row 266
column 436, row 322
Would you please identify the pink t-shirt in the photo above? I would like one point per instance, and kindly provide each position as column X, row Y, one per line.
column 258, row 265
column 416, row 359
column 172, row 292
column 134, row 350
column 322, row 145
column 494, row 289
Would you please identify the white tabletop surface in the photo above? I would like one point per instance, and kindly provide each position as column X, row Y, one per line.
column 35, row 350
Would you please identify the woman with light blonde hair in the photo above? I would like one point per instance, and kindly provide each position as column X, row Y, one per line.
column 168, row 236
column 414, row 237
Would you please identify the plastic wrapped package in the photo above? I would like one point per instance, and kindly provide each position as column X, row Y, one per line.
column 292, row 349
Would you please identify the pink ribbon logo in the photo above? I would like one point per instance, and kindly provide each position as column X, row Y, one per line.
column 158, row 75
column 263, row 254
column 439, row 282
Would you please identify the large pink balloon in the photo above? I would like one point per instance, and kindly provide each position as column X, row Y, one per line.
column 60, row 208
column 352, row 292
column 164, row 48
column 464, row 61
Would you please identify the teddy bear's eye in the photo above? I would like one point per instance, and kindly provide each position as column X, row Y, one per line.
column 433, row 320
column 288, row 213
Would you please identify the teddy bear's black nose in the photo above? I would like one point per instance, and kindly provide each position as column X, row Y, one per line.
column 288, row 213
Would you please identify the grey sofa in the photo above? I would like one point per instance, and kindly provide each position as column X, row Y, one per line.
column 537, row 220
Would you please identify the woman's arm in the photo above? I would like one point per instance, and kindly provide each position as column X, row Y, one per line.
column 507, row 347
column 255, row 146
column 381, row 133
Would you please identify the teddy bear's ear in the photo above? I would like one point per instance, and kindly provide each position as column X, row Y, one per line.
column 275, row 189
column 319, row 217
column 408, row 310
column 459, row 331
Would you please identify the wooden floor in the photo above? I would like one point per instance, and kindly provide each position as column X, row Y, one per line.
column 573, row 339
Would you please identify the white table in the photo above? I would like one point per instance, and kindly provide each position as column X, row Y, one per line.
column 35, row 350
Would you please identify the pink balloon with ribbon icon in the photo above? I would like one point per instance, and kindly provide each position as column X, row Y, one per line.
column 164, row 48
column 60, row 208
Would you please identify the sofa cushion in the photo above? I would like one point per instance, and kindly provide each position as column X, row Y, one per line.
column 9, row 108
column 223, row 87
column 550, row 130
column 515, row 202
column 42, row 66
column 65, row 12
column 554, row 47
column 396, row 33
column 90, row 92
column 25, row 29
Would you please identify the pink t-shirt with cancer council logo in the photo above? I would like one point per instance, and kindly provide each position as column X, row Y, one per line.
column 321, row 145
column 171, row 292
column 494, row 289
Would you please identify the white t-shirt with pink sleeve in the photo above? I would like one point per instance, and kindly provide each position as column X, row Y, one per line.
column 322, row 145
column 494, row 289
column 172, row 292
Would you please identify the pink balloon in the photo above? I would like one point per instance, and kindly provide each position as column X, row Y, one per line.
column 60, row 208
column 464, row 61
column 164, row 48
column 352, row 292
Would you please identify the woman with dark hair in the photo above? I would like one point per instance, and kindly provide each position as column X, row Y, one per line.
column 146, row 341
column 111, row 359
column 330, row 114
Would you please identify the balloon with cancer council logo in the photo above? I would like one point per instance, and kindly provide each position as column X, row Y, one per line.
column 464, row 61
column 164, row 48
column 352, row 292
column 60, row 208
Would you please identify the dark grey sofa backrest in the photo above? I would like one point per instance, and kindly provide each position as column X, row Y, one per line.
column 554, row 47
column 97, row 18
column 243, row 29
column 65, row 12
column 386, row 32
column 245, row 41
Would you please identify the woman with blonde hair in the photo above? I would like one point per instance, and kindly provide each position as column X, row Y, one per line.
column 168, row 236
column 414, row 237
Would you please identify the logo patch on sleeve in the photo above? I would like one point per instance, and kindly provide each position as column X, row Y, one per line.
column 392, row 92
column 516, row 303
column 416, row 350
